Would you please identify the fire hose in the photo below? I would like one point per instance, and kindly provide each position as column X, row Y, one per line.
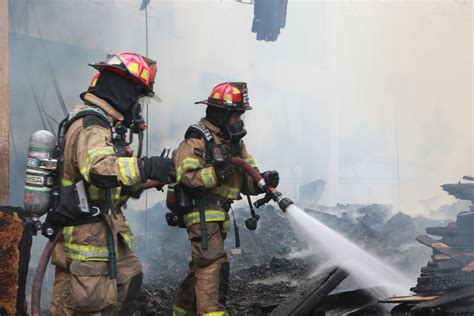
column 271, row 193
column 39, row 275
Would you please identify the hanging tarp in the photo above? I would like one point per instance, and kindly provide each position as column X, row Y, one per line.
column 269, row 19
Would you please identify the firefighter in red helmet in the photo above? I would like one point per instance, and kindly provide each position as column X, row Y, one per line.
column 97, row 273
column 204, row 173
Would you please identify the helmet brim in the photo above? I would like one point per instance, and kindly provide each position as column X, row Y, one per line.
column 237, row 108
column 101, row 67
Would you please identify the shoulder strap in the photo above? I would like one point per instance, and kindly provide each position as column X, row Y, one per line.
column 206, row 133
column 67, row 122
column 94, row 111
column 201, row 129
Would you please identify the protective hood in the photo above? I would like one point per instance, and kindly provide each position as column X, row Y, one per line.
column 119, row 92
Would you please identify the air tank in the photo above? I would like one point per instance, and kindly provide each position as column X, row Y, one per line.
column 39, row 179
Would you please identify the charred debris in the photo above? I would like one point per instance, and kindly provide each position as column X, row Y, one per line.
column 445, row 285
column 275, row 272
column 274, row 266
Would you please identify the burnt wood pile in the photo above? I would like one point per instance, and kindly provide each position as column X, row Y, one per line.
column 446, row 284
column 15, row 244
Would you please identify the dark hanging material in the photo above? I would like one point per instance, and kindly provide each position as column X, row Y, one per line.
column 269, row 19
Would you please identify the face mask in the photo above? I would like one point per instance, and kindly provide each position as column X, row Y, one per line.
column 133, row 119
column 236, row 131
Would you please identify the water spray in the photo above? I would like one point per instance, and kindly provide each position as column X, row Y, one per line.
column 368, row 269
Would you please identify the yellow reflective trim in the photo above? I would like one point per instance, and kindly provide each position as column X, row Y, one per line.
column 66, row 182
column 225, row 226
column 178, row 311
column 94, row 82
column 235, row 90
column 116, row 193
column 85, row 248
column 211, row 216
column 250, row 161
column 216, row 95
column 220, row 313
column 127, row 170
column 133, row 67
column 67, row 233
column 70, row 233
column 179, row 174
column 91, row 155
column 131, row 165
column 144, row 74
column 228, row 97
column 188, row 163
column 122, row 171
column 227, row 192
column 80, row 252
column 208, row 177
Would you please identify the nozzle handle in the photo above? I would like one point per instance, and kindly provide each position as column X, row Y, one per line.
column 267, row 198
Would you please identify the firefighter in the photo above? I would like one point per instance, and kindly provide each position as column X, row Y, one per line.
column 97, row 273
column 204, row 172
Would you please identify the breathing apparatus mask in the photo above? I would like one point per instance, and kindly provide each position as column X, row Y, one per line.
column 237, row 130
column 221, row 118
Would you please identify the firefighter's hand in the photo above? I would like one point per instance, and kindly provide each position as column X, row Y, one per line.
column 271, row 177
column 157, row 168
column 52, row 225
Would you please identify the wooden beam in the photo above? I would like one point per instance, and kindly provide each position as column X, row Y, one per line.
column 446, row 298
column 4, row 105
column 311, row 294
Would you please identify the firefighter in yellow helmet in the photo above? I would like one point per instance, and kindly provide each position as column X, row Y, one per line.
column 97, row 273
column 207, row 184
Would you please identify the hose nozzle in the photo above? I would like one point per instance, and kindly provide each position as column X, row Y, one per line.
column 284, row 203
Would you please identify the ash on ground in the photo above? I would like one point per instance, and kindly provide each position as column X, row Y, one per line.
column 274, row 262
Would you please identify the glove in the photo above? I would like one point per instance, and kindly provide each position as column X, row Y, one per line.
column 52, row 225
column 156, row 168
column 271, row 177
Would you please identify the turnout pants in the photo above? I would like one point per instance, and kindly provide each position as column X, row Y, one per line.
column 204, row 290
column 84, row 287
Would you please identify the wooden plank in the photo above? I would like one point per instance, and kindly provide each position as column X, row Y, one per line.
column 441, row 257
column 4, row 106
column 408, row 299
column 311, row 294
column 447, row 298
column 445, row 249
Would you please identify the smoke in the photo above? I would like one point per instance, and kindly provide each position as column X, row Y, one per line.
column 349, row 91
column 374, row 97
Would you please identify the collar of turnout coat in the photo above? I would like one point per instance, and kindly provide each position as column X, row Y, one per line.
column 110, row 110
